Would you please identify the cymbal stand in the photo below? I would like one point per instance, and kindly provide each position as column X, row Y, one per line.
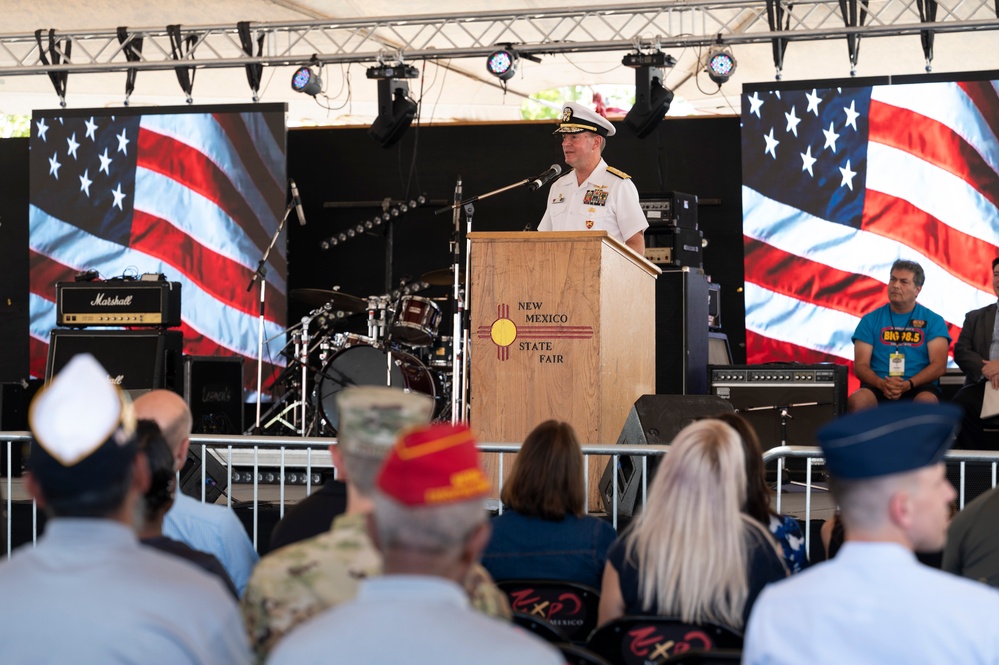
column 304, row 361
column 261, row 274
column 460, row 339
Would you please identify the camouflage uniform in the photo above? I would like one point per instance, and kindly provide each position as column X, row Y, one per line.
column 301, row 580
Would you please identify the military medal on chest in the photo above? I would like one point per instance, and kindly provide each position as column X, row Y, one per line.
column 595, row 197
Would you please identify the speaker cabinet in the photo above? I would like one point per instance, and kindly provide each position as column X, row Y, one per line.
column 216, row 478
column 785, row 403
column 213, row 388
column 682, row 333
column 136, row 360
column 653, row 420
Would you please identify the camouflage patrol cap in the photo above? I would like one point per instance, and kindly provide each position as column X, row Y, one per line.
column 372, row 418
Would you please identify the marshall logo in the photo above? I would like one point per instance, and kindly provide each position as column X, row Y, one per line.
column 116, row 380
column 103, row 301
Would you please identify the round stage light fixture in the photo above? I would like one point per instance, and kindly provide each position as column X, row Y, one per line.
column 502, row 64
column 307, row 81
column 721, row 64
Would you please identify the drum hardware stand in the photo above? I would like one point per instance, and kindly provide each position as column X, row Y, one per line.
column 784, row 417
column 460, row 338
column 261, row 274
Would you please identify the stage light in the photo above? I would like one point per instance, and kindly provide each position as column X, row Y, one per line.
column 396, row 109
column 307, row 81
column 652, row 98
column 503, row 64
column 720, row 64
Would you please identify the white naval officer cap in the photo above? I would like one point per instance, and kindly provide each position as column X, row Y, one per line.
column 577, row 118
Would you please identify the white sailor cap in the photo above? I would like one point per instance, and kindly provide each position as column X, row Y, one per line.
column 577, row 118
column 84, row 430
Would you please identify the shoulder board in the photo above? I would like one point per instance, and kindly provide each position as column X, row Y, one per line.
column 617, row 172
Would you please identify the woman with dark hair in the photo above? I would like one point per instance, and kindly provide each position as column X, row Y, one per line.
column 784, row 528
column 159, row 498
column 544, row 532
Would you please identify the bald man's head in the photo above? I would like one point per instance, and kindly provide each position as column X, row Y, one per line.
column 171, row 413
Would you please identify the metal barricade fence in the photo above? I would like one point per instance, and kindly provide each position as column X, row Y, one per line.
column 254, row 451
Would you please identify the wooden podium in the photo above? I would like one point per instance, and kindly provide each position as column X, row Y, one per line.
column 563, row 327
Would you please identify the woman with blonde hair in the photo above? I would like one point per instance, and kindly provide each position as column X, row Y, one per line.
column 693, row 554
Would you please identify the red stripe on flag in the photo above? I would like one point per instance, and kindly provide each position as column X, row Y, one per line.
column 223, row 279
column 39, row 354
column 195, row 171
column 816, row 283
column 962, row 255
column 933, row 142
column 983, row 94
column 45, row 272
column 235, row 129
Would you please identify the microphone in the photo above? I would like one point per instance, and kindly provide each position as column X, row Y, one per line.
column 543, row 179
column 297, row 201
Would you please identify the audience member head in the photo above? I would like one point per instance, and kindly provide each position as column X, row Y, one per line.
column 84, row 457
column 547, row 478
column 689, row 541
column 886, row 472
column 371, row 421
column 757, row 503
column 171, row 413
column 429, row 517
column 162, row 477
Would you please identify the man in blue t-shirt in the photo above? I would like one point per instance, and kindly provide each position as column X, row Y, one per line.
column 900, row 349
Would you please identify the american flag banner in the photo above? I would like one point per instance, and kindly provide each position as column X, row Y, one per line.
column 838, row 183
column 195, row 196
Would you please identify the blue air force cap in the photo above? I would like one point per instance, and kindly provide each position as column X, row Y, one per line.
column 892, row 438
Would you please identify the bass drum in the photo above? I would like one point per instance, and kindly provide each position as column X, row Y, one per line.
column 364, row 365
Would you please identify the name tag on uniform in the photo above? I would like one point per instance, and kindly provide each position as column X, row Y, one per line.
column 896, row 364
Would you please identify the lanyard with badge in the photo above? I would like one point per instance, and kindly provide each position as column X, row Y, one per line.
column 896, row 361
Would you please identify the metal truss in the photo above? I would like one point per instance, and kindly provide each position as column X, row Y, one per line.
column 620, row 27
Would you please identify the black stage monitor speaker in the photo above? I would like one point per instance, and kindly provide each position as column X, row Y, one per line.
column 14, row 401
column 136, row 360
column 786, row 403
column 213, row 388
column 653, row 420
column 216, row 478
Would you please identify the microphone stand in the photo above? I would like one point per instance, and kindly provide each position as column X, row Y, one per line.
column 261, row 274
column 459, row 335
column 785, row 415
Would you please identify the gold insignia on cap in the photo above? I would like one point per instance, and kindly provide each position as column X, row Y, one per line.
column 567, row 114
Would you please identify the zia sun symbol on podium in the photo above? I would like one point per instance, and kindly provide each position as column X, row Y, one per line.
column 504, row 332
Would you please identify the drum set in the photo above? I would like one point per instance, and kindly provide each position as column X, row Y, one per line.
column 401, row 349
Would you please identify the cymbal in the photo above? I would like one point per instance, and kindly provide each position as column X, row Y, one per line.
column 443, row 277
column 337, row 300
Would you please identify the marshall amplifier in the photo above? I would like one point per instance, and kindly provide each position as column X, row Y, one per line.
column 675, row 209
column 136, row 360
column 785, row 403
column 118, row 303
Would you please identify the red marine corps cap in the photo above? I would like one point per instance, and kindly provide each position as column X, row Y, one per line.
column 434, row 465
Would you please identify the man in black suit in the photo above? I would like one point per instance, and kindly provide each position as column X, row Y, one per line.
column 977, row 354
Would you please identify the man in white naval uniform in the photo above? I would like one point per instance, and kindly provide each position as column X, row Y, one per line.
column 593, row 196
column 874, row 602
